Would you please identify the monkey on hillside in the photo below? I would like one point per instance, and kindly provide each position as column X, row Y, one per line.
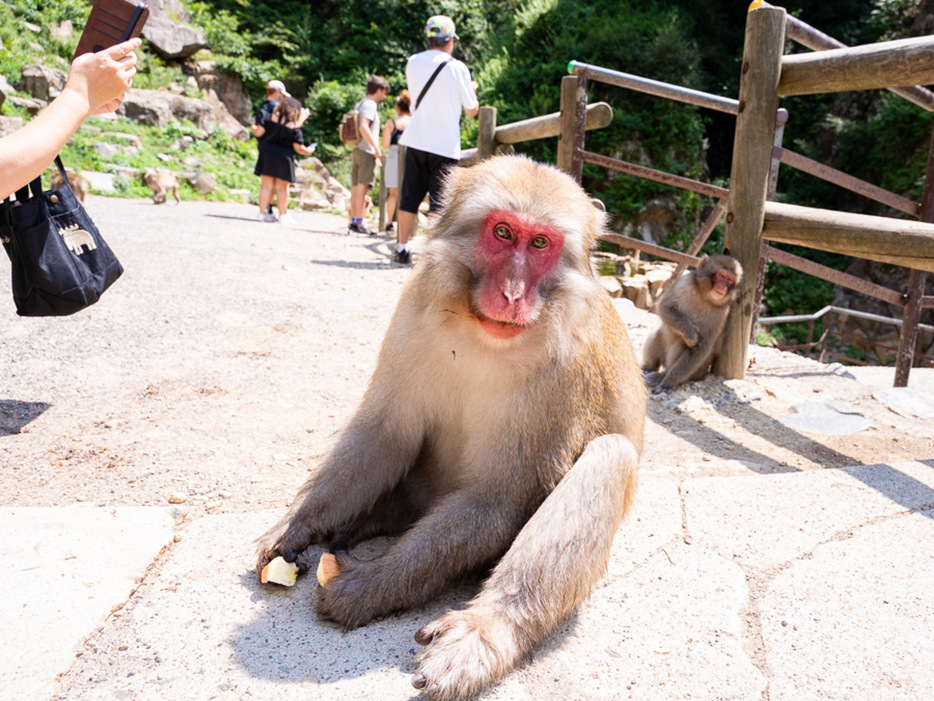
column 513, row 442
column 79, row 183
column 162, row 183
column 693, row 310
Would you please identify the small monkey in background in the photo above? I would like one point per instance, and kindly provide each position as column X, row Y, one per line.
column 502, row 427
column 693, row 310
column 79, row 183
column 162, row 183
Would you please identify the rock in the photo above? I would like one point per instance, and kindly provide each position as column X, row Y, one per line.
column 42, row 82
column 106, row 150
column 9, row 124
column 100, row 182
column 157, row 108
column 226, row 87
column 63, row 30
column 31, row 106
column 178, row 498
column 127, row 139
column 203, row 182
column 168, row 33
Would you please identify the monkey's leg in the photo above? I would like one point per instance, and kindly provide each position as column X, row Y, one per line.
column 370, row 458
column 691, row 362
column 651, row 352
column 549, row 570
column 458, row 534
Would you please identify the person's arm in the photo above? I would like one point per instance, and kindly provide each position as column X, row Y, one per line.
column 388, row 128
column 96, row 84
column 367, row 134
column 301, row 149
column 258, row 130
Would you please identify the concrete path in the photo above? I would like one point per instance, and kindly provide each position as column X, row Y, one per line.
column 812, row 584
column 789, row 586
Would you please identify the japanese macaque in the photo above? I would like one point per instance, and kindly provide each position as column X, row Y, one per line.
column 79, row 184
column 162, row 183
column 502, row 428
column 693, row 310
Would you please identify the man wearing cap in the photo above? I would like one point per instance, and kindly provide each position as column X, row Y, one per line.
column 433, row 136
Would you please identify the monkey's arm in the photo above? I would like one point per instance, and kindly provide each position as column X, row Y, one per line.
column 692, row 362
column 370, row 457
column 669, row 310
column 549, row 570
column 460, row 533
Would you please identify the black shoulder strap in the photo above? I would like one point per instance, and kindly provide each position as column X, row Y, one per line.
column 430, row 81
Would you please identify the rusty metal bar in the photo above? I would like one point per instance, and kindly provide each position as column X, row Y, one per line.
column 651, row 248
column 916, row 283
column 706, row 230
column 836, row 276
column 655, row 87
column 655, row 175
column 860, row 187
column 843, row 311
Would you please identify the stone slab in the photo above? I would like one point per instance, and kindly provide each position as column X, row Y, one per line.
column 65, row 570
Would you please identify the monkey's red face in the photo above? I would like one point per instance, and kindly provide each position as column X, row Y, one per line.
column 723, row 283
column 515, row 254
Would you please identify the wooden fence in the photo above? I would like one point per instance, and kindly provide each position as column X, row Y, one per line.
column 752, row 218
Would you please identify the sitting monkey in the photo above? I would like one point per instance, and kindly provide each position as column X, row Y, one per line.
column 162, row 182
column 693, row 310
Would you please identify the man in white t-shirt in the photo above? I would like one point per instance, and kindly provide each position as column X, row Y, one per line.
column 433, row 136
column 365, row 158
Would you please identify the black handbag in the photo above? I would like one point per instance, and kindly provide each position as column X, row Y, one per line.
column 60, row 263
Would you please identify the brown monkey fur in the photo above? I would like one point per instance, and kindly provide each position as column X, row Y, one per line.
column 79, row 184
column 513, row 452
column 162, row 183
column 693, row 311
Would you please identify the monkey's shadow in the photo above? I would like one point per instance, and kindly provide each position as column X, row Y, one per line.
column 16, row 415
column 288, row 642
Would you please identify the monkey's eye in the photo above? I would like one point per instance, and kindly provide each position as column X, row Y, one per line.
column 501, row 231
column 539, row 242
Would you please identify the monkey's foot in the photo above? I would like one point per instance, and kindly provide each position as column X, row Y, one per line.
column 351, row 598
column 467, row 651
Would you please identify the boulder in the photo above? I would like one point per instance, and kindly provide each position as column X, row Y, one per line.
column 42, row 82
column 9, row 124
column 156, row 108
column 227, row 88
column 203, row 182
column 168, row 32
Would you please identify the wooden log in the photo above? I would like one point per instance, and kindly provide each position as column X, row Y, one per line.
column 599, row 115
column 887, row 64
column 749, row 175
column 486, row 133
column 566, row 123
column 901, row 242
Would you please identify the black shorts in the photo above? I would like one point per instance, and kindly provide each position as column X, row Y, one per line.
column 424, row 173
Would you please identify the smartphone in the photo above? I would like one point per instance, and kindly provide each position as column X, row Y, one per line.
column 110, row 22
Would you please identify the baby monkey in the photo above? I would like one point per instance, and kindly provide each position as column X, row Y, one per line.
column 693, row 310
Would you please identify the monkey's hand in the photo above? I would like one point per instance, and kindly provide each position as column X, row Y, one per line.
column 689, row 334
column 285, row 539
column 467, row 650
column 652, row 379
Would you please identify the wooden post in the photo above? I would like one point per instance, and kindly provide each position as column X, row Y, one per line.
column 749, row 175
column 781, row 119
column 908, row 336
column 486, row 133
column 568, row 111
column 383, row 195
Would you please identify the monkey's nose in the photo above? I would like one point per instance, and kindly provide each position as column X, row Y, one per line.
column 513, row 291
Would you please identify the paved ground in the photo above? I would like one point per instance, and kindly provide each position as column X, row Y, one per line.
column 761, row 561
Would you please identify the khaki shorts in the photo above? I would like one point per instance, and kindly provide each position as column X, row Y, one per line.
column 362, row 168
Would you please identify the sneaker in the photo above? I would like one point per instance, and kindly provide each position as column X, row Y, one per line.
column 360, row 229
column 389, row 228
column 265, row 217
column 286, row 219
column 402, row 257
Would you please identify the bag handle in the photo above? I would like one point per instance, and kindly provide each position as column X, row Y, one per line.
column 430, row 81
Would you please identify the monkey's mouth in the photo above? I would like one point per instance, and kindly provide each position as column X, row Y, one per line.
column 498, row 329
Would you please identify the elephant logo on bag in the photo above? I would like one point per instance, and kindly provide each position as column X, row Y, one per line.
column 75, row 238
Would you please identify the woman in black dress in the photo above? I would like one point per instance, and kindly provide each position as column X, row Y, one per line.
column 280, row 138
